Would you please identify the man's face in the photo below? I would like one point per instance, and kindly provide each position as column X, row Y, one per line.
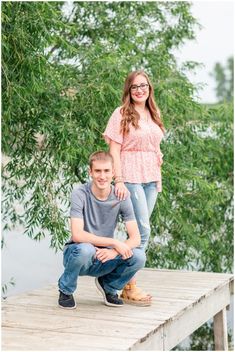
column 101, row 173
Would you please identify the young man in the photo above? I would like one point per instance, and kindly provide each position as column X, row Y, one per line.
column 92, row 250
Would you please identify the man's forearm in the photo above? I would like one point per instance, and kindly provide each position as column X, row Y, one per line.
column 87, row 237
column 133, row 243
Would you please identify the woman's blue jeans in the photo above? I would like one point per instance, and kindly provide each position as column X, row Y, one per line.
column 79, row 260
column 143, row 197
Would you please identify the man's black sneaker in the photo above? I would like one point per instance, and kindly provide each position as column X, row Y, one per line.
column 66, row 301
column 109, row 299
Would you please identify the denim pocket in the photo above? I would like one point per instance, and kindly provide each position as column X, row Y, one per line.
column 151, row 185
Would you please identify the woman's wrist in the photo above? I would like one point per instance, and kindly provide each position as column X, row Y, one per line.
column 115, row 182
column 118, row 179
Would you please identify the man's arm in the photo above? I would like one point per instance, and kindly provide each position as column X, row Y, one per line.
column 81, row 236
column 104, row 254
column 133, row 234
column 128, row 216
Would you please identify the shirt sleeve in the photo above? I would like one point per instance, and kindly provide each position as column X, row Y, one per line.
column 126, row 210
column 77, row 203
column 112, row 131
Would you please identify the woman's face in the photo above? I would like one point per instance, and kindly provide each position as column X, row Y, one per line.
column 139, row 89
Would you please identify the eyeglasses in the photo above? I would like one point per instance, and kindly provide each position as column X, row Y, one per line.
column 142, row 86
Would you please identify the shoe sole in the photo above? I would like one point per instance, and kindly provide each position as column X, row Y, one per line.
column 137, row 303
column 100, row 288
column 68, row 308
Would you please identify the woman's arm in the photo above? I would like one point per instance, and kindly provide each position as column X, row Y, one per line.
column 120, row 189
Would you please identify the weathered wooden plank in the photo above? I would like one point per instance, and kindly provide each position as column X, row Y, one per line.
column 96, row 310
column 157, row 312
column 183, row 273
column 79, row 313
column 74, row 322
column 220, row 331
column 41, row 340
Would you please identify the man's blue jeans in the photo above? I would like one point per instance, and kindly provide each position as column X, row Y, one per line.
column 143, row 197
column 116, row 273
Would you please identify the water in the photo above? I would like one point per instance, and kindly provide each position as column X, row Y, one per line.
column 31, row 264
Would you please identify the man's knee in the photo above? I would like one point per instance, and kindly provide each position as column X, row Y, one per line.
column 139, row 257
column 83, row 252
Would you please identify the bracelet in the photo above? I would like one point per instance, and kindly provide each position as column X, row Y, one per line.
column 115, row 182
column 117, row 177
column 118, row 180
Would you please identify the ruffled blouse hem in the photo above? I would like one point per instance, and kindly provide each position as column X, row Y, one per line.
column 108, row 139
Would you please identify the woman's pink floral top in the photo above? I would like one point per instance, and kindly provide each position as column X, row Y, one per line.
column 141, row 157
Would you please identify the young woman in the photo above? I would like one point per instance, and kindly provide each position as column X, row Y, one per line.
column 134, row 133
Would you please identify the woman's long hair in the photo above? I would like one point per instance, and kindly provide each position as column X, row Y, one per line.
column 129, row 114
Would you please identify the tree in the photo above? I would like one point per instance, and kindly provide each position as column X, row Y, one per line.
column 220, row 80
column 224, row 77
column 193, row 222
column 230, row 70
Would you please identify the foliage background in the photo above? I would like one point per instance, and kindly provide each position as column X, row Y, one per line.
column 62, row 76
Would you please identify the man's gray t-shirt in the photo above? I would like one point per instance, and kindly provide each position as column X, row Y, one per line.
column 100, row 217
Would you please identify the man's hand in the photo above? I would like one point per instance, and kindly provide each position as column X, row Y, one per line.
column 104, row 254
column 123, row 249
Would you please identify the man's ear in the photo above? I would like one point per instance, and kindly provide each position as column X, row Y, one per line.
column 89, row 171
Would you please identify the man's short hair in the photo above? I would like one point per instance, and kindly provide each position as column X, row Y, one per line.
column 100, row 155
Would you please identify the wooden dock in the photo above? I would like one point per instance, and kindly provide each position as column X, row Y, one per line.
column 183, row 301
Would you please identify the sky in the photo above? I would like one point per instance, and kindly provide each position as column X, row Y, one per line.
column 214, row 42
